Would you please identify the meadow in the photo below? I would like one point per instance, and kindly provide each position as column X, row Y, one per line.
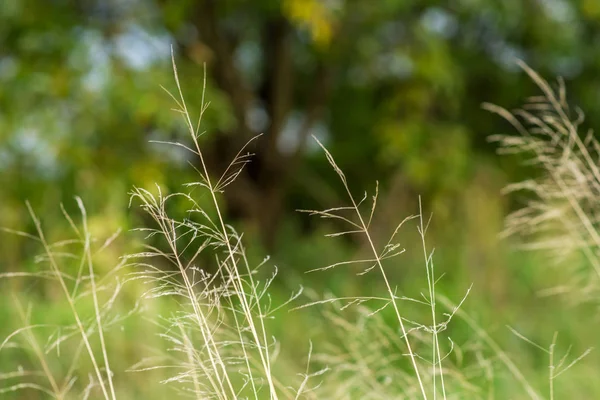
column 180, row 302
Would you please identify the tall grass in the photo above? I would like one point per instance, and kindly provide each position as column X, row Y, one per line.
column 78, row 290
column 230, row 303
column 220, row 332
column 217, row 340
column 358, row 222
column 560, row 215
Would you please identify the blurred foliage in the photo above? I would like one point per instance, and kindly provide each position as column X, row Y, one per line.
column 392, row 87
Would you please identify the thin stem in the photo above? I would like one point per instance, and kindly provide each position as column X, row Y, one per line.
column 70, row 300
column 379, row 264
column 551, row 365
column 437, row 357
column 237, row 281
column 88, row 256
column 38, row 352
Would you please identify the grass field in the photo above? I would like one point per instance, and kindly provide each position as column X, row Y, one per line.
column 187, row 306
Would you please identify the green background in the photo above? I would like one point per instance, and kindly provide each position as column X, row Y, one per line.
column 393, row 88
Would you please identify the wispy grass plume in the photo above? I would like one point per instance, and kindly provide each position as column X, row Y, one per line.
column 560, row 215
column 219, row 338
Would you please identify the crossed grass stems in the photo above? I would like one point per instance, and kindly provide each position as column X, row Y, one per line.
column 248, row 292
column 219, row 338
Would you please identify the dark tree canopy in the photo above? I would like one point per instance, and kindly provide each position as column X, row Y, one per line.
column 393, row 87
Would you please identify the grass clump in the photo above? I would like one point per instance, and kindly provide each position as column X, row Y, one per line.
column 81, row 340
column 560, row 214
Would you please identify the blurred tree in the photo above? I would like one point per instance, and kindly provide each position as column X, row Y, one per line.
column 393, row 87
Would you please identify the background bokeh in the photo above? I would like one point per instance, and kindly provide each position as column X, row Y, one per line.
column 393, row 88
